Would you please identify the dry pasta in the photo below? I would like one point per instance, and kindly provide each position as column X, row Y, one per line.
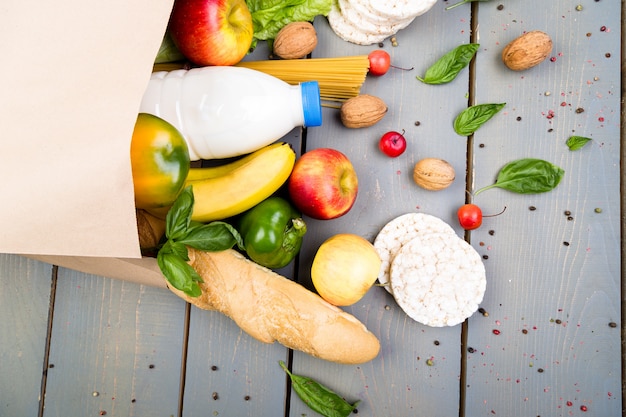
column 339, row 78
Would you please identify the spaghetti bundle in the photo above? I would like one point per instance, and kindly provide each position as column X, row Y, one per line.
column 339, row 78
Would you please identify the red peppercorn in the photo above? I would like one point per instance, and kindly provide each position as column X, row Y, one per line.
column 603, row 29
column 569, row 403
column 496, row 331
column 583, row 408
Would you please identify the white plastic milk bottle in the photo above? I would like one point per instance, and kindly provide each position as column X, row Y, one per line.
column 225, row 111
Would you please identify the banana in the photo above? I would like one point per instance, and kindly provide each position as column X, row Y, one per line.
column 244, row 185
column 223, row 169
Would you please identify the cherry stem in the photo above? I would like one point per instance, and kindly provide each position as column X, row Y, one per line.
column 400, row 68
column 494, row 215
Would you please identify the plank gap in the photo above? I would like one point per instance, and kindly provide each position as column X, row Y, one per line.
column 623, row 205
column 288, row 384
column 46, row 356
column 183, row 359
column 469, row 178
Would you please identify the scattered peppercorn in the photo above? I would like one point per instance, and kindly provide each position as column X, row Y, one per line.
column 492, row 232
column 482, row 145
column 103, row 413
column 570, row 218
column 550, row 130
column 580, row 110
column 532, row 208
column 540, row 370
column 553, row 59
column 485, row 256
column 496, row 331
column 500, row 7
column 151, row 366
column 583, row 408
column 417, row 123
column 133, row 401
column 567, row 212
column 598, row 210
column 558, row 321
column 519, row 118
column 387, row 307
column 588, row 34
column 429, row 362
column 95, row 394
column 471, row 350
column 579, row 7
column 524, row 331
column 483, row 312
column 436, row 342
column 51, row 365
column 608, row 55
column 565, row 243
column 603, row 29
column 215, row 396
column 214, row 368
column 612, row 324
column 380, row 44
column 247, row 398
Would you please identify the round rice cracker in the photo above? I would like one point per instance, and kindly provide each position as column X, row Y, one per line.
column 371, row 23
column 399, row 232
column 399, row 9
column 438, row 279
column 350, row 33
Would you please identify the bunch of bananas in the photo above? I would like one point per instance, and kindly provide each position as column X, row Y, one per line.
column 230, row 189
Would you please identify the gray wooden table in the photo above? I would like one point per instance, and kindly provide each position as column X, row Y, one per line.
column 549, row 343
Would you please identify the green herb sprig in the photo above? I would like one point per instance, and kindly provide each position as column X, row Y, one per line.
column 527, row 176
column 448, row 66
column 472, row 118
column 181, row 232
column 319, row 398
column 462, row 2
column 575, row 143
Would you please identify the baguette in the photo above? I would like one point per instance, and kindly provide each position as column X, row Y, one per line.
column 270, row 307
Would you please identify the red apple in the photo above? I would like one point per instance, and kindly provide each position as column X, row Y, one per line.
column 323, row 184
column 211, row 32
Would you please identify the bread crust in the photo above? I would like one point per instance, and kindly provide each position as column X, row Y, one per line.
column 270, row 307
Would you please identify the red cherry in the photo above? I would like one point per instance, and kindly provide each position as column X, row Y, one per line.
column 380, row 61
column 470, row 216
column 392, row 144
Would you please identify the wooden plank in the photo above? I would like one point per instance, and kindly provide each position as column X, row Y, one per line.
column 24, row 304
column 116, row 347
column 554, row 278
column 398, row 382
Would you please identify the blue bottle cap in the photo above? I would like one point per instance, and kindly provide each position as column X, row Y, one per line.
column 311, row 103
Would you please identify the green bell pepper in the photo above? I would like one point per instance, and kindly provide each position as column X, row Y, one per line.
column 272, row 232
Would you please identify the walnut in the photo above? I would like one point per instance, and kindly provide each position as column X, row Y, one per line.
column 362, row 111
column 295, row 40
column 433, row 174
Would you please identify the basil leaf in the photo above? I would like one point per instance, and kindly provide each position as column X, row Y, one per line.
column 178, row 273
column 448, row 66
column 462, row 2
column 212, row 237
column 179, row 216
column 527, row 176
column 182, row 233
column 319, row 398
column 472, row 118
column 575, row 143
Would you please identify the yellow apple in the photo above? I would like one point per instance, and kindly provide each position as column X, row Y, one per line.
column 344, row 268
